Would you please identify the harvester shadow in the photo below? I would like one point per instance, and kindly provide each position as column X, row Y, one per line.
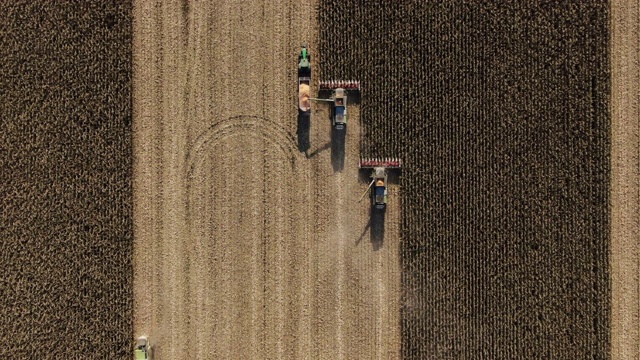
column 354, row 98
column 364, row 231
column 152, row 350
column 364, row 176
column 337, row 148
column 394, row 176
column 319, row 150
column 304, row 124
column 375, row 226
column 376, row 216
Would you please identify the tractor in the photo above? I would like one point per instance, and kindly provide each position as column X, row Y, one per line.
column 304, row 80
column 142, row 350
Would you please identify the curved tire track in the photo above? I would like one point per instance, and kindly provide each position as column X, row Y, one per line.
column 250, row 233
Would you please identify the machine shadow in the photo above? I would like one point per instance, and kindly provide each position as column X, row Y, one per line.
column 304, row 124
column 377, row 228
column 319, row 150
column 354, row 98
column 338, row 138
column 376, row 216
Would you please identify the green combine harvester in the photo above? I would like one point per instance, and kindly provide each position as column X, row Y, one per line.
column 304, row 62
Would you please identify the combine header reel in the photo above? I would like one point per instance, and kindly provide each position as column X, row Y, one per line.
column 329, row 85
column 379, row 176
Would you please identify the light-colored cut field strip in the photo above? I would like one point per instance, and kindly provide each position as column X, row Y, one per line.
column 244, row 248
column 625, row 179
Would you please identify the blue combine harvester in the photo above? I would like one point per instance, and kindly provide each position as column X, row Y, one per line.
column 339, row 90
column 379, row 180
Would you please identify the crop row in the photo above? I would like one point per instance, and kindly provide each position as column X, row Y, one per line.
column 500, row 113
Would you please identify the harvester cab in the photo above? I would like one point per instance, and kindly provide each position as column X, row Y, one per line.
column 379, row 179
column 339, row 115
column 304, row 80
column 142, row 350
column 339, row 90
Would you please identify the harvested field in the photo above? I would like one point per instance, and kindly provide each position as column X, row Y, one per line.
column 245, row 247
column 501, row 113
column 625, row 179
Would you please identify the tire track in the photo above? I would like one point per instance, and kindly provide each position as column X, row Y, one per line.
column 243, row 260
column 340, row 278
column 218, row 132
column 173, row 268
column 146, row 211
column 274, row 258
column 358, row 291
column 199, row 300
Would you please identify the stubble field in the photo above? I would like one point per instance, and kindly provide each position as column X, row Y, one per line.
column 245, row 246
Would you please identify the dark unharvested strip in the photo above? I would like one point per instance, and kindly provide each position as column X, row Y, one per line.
column 500, row 111
column 65, row 180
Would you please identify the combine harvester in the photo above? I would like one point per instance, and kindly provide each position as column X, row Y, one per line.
column 379, row 176
column 339, row 90
column 338, row 99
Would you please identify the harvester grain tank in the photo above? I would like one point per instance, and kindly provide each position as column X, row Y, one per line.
column 379, row 176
